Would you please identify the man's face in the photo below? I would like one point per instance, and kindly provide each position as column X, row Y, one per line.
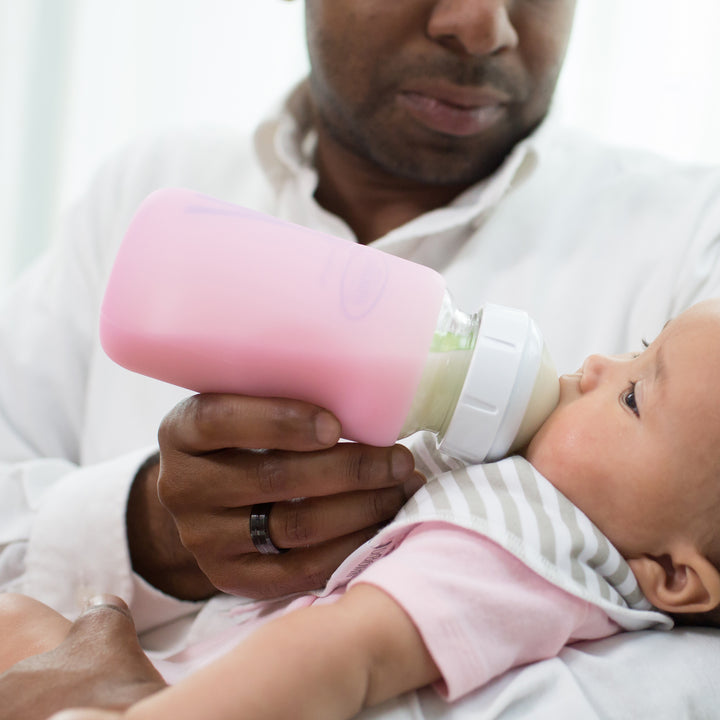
column 436, row 91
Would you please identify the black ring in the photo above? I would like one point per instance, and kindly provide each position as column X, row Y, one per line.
column 260, row 530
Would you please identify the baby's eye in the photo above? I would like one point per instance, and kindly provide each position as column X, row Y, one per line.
column 628, row 397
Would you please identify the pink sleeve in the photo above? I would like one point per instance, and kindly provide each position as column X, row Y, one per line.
column 479, row 610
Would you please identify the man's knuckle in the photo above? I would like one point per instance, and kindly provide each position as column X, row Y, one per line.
column 253, row 577
column 298, row 525
column 273, row 478
column 193, row 539
column 368, row 469
column 206, row 412
column 194, row 410
column 381, row 506
column 223, row 580
column 166, row 431
column 289, row 413
column 314, row 572
column 171, row 489
column 355, row 466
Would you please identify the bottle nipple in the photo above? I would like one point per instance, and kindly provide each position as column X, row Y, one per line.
column 543, row 400
column 510, row 388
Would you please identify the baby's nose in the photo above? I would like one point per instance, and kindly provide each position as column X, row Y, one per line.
column 593, row 370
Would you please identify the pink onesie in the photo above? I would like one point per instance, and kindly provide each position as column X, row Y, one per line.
column 479, row 610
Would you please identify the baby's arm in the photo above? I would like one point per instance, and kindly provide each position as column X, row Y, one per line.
column 27, row 627
column 323, row 661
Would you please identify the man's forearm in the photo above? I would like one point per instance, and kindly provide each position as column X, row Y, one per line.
column 156, row 552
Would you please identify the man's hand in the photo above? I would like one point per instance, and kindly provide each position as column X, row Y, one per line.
column 100, row 664
column 222, row 454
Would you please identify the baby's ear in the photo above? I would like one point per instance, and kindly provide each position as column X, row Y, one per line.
column 683, row 581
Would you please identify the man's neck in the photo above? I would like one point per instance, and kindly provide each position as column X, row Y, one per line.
column 371, row 201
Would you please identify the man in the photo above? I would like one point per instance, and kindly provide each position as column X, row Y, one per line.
column 420, row 131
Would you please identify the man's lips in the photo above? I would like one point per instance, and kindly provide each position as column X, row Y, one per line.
column 454, row 110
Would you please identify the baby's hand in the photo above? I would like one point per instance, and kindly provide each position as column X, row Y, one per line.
column 99, row 664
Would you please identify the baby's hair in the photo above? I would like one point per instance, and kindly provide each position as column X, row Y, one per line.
column 711, row 541
column 711, row 619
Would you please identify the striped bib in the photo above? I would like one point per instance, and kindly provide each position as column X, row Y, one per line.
column 513, row 505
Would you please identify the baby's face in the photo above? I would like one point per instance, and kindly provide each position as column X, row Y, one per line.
column 634, row 437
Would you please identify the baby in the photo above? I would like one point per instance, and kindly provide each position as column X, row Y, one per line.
column 447, row 596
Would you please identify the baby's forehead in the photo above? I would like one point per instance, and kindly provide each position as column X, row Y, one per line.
column 702, row 320
column 707, row 310
column 686, row 362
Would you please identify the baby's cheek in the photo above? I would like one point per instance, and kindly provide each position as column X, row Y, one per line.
column 561, row 451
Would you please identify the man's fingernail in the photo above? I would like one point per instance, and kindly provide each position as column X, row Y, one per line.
column 327, row 429
column 105, row 600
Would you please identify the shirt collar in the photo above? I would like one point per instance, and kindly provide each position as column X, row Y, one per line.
column 285, row 144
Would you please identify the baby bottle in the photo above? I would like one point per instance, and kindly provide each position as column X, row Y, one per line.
column 214, row 297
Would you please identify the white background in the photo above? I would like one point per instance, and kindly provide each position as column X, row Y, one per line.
column 80, row 78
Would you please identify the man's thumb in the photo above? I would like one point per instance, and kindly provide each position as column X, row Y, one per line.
column 106, row 618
